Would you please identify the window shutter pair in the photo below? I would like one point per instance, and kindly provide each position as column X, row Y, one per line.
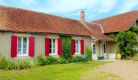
column 47, row 46
column 81, row 44
column 14, row 46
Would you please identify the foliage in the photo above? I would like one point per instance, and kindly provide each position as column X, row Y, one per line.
column 113, row 36
column 11, row 65
column 41, row 61
column 66, row 47
column 88, row 52
column 62, row 61
column 2, row 61
column 73, row 60
column 126, row 41
column 124, row 58
column 34, row 63
column 80, row 59
column 50, row 60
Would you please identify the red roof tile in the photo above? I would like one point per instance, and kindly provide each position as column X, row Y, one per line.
column 21, row 20
column 118, row 22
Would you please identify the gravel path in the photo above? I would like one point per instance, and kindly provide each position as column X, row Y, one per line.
column 127, row 69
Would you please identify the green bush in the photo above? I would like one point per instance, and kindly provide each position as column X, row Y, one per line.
column 34, row 63
column 80, row 59
column 50, row 60
column 41, row 61
column 73, row 60
column 66, row 47
column 89, row 53
column 62, row 61
column 2, row 61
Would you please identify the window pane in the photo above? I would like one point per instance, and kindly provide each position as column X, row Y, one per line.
column 53, row 40
column 19, row 45
column 76, row 41
column 50, row 50
column 24, row 51
column 24, row 40
column 53, row 45
column 24, row 45
column 49, row 40
column 53, row 50
column 49, row 45
column 19, row 51
column 19, row 39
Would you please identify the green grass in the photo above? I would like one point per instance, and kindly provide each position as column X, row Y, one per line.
column 71, row 71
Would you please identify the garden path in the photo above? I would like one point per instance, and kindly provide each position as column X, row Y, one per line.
column 127, row 69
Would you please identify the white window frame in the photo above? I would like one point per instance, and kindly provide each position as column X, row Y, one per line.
column 76, row 46
column 52, row 47
column 22, row 47
column 93, row 49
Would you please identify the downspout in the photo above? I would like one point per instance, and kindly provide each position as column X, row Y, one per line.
column 100, row 27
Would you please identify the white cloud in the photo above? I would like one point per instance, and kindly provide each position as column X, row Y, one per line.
column 28, row 2
column 63, row 6
column 127, row 5
column 91, row 16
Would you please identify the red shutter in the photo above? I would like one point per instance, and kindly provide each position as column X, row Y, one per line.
column 72, row 45
column 31, row 46
column 13, row 46
column 46, row 46
column 82, row 46
column 59, row 46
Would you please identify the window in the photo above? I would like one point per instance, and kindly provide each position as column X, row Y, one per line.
column 22, row 46
column 94, row 49
column 104, row 48
column 76, row 44
column 52, row 46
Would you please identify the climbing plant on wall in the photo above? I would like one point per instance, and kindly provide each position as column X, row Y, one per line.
column 66, row 47
column 126, row 41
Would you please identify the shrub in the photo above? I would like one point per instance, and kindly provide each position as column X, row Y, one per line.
column 89, row 53
column 34, row 63
column 80, row 59
column 2, row 61
column 73, row 60
column 40, row 61
column 62, row 61
column 50, row 60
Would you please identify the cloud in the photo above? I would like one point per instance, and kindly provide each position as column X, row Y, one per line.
column 64, row 6
column 127, row 5
column 91, row 16
column 28, row 2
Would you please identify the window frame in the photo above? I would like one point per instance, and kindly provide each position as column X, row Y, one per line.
column 52, row 47
column 78, row 47
column 27, row 46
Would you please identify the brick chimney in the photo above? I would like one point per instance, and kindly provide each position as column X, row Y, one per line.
column 82, row 15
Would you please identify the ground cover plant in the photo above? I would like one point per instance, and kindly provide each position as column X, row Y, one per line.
column 71, row 71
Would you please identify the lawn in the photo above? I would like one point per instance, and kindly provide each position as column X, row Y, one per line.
column 71, row 71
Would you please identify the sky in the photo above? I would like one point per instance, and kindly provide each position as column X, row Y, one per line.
column 94, row 9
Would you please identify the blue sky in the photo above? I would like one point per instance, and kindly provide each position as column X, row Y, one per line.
column 94, row 9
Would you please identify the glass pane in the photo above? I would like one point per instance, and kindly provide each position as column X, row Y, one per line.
column 24, row 51
column 50, row 50
column 49, row 40
column 53, row 40
column 76, row 41
column 53, row 50
column 19, row 51
column 49, row 45
column 24, row 40
column 53, row 45
column 19, row 45
column 19, row 39
column 24, row 45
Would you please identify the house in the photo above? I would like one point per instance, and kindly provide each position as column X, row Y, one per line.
column 25, row 34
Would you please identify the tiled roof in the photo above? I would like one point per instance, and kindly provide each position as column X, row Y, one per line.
column 21, row 20
column 118, row 22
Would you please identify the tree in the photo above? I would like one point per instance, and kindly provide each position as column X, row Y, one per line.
column 126, row 41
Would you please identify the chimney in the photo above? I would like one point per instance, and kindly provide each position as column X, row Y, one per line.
column 82, row 15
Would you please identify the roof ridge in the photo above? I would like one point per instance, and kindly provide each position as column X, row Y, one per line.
column 34, row 11
column 115, row 15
